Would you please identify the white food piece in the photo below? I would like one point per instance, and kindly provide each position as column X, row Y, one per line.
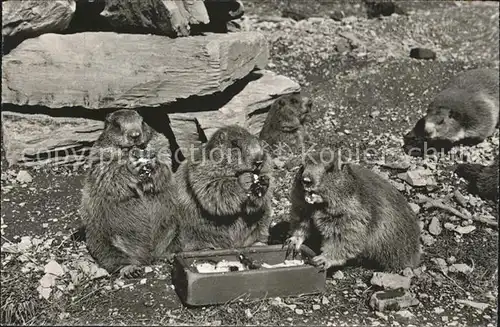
column 287, row 263
column 255, row 178
column 221, row 266
column 143, row 160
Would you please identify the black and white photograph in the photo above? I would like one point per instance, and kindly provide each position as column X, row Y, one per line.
column 249, row 163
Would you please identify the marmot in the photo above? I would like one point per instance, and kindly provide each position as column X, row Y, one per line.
column 284, row 124
column 225, row 194
column 128, row 201
column 357, row 214
column 467, row 109
column 483, row 180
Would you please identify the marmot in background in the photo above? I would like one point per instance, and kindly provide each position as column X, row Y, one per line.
column 128, row 201
column 467, row 108
column 358, row 214
column 284, row 124
column 483, row 180
column 225, row 194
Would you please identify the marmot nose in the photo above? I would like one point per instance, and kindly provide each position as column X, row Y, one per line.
column 135, row 135
column 306, row 181
column 257, row 164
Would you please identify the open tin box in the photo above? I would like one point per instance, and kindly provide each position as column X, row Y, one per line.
column 196, row 289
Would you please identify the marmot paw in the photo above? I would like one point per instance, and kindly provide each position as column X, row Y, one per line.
column 131, row 271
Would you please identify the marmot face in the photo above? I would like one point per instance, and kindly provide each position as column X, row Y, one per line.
column 314, row 179
column 126, row 129
column 235, row 146
column 293, row 112
column 442, row 123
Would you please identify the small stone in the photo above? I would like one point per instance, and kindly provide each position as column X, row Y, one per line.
column 381, row 315
column 427, row 239
column 450, row 226
column 476, row 305
column 325, row 300
column 53, row 268
column 441, row 263
column 435, row 227
column 408, row 272
column 405, row 314
column 460, row 267
column 148, row 269
column 375, row 114
column 299, row 311
column 143, row 281
column 415, row 207
column 422, row 53
column 451, row 260
column 390, row 281
column 460, row 198
column 24, row 177
column 338, row 275
column 438, row 310
column 392, row 300
column 316, row 307
column 465, row 229
column 337, row 15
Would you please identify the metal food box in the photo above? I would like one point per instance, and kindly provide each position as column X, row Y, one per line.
column 197, row 289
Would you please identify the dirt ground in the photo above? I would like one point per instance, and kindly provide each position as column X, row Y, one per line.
column 349, row 79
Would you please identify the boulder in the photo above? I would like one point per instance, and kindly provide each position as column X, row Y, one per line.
column 37, row 139
column 248, row 108
column 171, row 18
column 25, row 19
column 108, row 70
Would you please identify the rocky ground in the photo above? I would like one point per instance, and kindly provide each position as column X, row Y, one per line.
column 367, row 93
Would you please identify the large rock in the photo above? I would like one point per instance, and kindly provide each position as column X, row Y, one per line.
column 162, row 17
column 25, row 19
column 248, row 108
column 108, row 70
column 37, row 139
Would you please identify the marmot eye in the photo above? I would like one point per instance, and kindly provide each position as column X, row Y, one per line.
column 441, row 122
column 306, row 181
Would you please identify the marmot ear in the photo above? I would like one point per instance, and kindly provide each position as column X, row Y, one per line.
column 108, row 118
column 337, row 164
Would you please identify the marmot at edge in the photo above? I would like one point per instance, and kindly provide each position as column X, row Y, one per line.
column 466, row 109
column 358, row 214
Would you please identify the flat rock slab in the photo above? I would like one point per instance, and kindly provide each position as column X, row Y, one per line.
column 24, row 19
column 97, row 70
column 248, row 109
column 37, row 139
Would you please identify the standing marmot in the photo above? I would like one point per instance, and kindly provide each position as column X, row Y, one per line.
column 467, row 108
column 357, row 213
column 128, row 201
column 225, row 194
column 284, row 124
column 483, row 180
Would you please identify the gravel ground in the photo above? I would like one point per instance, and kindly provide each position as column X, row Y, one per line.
column 367, row 93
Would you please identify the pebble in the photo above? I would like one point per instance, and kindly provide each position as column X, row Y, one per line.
column 465, row 229
column 338, row 275
column 316, row 307
column 299, row 311
column 24, row 177
column 435, row 227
